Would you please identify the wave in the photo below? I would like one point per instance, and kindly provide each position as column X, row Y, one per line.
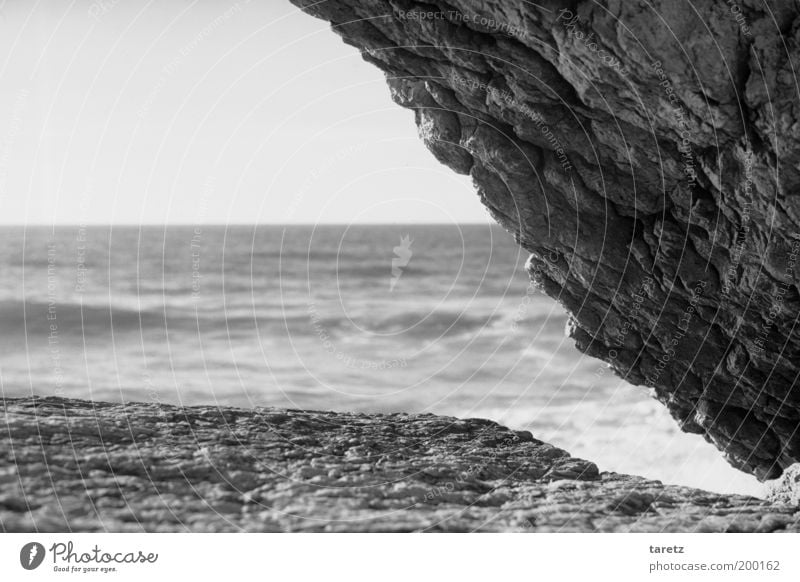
column 19, row 318
column 430, row 324
column 34, row 317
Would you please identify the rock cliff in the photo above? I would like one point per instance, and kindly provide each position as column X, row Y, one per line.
column 72, row 465
column 646, row 155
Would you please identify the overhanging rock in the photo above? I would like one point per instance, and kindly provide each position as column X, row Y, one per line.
column 646, row 155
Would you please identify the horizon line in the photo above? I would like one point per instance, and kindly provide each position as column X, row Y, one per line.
column 210, row 224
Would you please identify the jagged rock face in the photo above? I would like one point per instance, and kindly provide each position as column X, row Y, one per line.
column 646, row 154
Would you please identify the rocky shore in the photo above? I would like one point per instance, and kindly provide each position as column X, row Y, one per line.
column 73, row 465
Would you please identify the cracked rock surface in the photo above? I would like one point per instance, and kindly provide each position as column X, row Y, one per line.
column 646, row 155
column 73, row 465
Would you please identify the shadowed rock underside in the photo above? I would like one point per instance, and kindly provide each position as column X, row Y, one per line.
column 646, row 154
column 72, row 465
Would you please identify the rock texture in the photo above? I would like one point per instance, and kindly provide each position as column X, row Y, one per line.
column 71, row 465
column 646, row 154
column 787, row 488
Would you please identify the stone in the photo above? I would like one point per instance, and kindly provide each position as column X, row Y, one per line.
column 787, row 488
column 647, row 157
column 429, row 473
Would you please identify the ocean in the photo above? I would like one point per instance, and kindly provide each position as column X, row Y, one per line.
column 411, row 318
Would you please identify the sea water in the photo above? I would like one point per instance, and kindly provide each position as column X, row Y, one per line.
column 412, row 318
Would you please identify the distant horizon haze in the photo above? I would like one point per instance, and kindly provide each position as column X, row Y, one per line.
column 488, row 222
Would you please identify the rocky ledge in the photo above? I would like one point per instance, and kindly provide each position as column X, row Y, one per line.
column 72, row 465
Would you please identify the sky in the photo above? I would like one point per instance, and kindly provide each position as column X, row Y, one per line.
column 203, row 111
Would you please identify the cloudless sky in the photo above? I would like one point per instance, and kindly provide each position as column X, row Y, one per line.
column 204, row 112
